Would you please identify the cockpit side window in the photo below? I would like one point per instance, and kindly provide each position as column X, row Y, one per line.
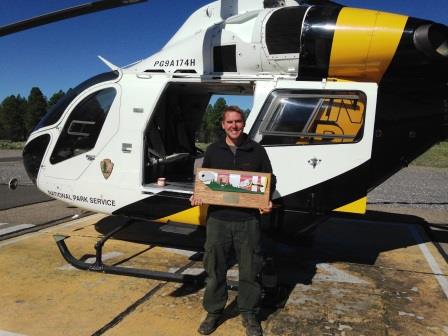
column 55, row 112
column 305, row 118
column 83, row 126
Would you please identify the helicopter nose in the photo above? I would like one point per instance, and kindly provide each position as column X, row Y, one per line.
column 432, row 40
column 33, row 154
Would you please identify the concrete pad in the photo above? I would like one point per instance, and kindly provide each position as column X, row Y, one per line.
column 358, row 278
column 365, row 278
column 40, row 297
column 176, row 310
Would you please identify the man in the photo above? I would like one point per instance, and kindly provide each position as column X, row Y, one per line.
column 233, row 229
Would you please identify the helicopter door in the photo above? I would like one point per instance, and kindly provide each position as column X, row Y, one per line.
column 85, row 130
column 319, row 138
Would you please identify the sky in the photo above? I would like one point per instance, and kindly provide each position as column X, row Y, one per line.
column 63, row 54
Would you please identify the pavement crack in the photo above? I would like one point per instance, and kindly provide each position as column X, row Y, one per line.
column 129, row 310
column 120, row 317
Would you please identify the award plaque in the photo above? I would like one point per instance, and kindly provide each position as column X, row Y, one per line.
column 233, row 187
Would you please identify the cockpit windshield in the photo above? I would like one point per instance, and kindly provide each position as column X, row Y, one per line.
column 56, row 111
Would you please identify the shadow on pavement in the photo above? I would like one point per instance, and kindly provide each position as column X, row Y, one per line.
column 350, row 239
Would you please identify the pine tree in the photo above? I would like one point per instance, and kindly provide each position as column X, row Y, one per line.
column 55, row 98
column 2, row 127
column 215, row 119
column 204, row 132
column 11, row 115
column 37, row 106
column 246, row 113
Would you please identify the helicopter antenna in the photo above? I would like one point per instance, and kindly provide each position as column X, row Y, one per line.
column 63, row 14
column 113, row 67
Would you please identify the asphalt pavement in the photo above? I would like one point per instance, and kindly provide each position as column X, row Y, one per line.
column 413, row 187
column 23, row 195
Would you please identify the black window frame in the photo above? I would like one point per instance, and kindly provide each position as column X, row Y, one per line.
column 271, row 106
column 74, row 131
column 55, row 113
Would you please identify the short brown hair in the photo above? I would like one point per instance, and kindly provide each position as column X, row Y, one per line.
column 233, row 108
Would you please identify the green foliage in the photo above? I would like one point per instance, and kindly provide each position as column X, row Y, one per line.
column 55, row 98
column 202, row 146
column 6, row 144
column 246, row 113
column 35, row 109
column 215, row 119
column 210, row 129
column 229, row 188
column 437, row 157
column 12, row 113
column 18, row 116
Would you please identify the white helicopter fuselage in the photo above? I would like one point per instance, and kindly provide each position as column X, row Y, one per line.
column 80, row 180
column 105, row 149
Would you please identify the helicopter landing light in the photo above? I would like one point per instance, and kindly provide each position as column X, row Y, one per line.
column 13, row 184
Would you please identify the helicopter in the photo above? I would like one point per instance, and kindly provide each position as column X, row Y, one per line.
column 343, row 98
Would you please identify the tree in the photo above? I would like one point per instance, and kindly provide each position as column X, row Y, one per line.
column 11, row 115
column 203, row 132
column 55, row 98
column 246, row 113
column 37, row 106
column 2, row 127
column 214, row 119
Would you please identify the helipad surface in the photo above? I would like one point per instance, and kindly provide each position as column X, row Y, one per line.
column 358, row 278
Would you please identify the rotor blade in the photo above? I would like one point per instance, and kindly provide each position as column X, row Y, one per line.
column 63, row 14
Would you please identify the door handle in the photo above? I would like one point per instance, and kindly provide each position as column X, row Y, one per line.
column 90, row 157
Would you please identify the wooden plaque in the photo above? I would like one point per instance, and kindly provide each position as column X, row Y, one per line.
column 233, row 187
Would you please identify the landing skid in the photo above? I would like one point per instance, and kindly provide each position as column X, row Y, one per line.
column 99, row 266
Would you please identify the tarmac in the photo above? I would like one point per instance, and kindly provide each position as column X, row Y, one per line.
column 359, row 277
column 381, row 274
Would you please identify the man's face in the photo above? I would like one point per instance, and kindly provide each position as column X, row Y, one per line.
column 233, row 125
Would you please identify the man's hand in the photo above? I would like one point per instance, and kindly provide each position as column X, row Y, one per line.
column 266, row 210
column 195, row 201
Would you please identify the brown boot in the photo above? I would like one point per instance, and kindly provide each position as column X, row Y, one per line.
column 252, row 325
column 210, row 324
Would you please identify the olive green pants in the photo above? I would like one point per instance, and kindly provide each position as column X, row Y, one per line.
column 225, row 239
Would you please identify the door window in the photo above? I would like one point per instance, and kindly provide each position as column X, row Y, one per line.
column 311, row 118
column 83, row 126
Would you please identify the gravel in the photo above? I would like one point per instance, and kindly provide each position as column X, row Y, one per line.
column 414, row 187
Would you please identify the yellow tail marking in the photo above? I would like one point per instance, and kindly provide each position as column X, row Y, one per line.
column 358, row 206
column 364, row 43
column 195, row 215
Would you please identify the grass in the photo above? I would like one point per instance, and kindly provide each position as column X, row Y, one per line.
column 436, row 157
column 7, row 144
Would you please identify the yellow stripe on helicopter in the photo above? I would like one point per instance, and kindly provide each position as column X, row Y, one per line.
column 364, row 43
column 195, row 215
column 359, row 206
